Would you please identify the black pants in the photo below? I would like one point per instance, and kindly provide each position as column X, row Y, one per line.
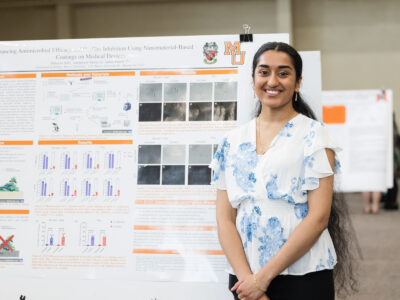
column 311, row 286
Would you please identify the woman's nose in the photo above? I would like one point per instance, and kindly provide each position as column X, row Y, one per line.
column 273, row 80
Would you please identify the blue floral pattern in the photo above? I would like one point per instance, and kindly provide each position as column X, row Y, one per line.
column 243, row 164
column 249, row 224
column 270, row 191
column 271, row 241
column 331, row 261
column 320, row 266
column 301, row 210
column 220, row 156
column 309, row 161
column 285, row 131
column 309, row 138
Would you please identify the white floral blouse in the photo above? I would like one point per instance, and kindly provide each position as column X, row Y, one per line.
column 269, row 191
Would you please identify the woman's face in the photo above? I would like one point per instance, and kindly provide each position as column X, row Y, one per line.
column 275, row 79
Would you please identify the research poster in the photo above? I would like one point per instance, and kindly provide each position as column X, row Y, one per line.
column 104, row 153
column 363, row 122
column 105, row 146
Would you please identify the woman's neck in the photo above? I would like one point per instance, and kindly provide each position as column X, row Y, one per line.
column 269, row 115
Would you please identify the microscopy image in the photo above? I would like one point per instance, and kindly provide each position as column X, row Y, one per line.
column 150, row 92
column 174, row 92
column 224, row 111
column 200, row 91
column 149, row 112
column 225, row 91
column 174, row 112
column 200, row 111
column 174, row 154
column 149, row 154
column 173, row 175
column 148, row 175
column 200, row 154
column 199, row 175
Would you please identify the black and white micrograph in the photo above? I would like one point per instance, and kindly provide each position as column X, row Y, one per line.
column 225, row 111
column 201, row 91
column 148, row 175
column 174, row 154
column 225, row 91
column 174, row 92
column 200, row 111
column 149, row 154
column 150, row 92
column 174, row 112
column 150, row 112
column 173, row 175
column 199, row 175
column 200, row 154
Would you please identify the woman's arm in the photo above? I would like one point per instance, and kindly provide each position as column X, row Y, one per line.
column 228, row 236
column 300, row 241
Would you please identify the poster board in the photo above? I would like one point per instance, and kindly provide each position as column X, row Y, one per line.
column 362, row 120
column 91, row 130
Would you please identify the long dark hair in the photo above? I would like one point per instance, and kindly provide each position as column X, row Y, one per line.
column 340, row 227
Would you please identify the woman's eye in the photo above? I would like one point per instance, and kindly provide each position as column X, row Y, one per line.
column 283, row 74
column 263, row 72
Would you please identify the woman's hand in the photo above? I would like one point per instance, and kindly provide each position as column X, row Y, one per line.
column 247, row 289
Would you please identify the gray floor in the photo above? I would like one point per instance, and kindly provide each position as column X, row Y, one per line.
column 379, row 238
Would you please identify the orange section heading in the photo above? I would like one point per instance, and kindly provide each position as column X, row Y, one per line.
column 8, row 76
column 175, row 227
column 165, row 251
column 85, row 142
column 176, row 202
column 14, row 211
column 87, row 74
column 334, row 114
column 188, row 72
column 16, row 143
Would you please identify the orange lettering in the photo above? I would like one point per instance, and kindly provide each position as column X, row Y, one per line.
column 241, row 61
column 229, row 49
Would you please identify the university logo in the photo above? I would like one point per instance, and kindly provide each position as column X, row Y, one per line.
column 237, row 55
column 210, row 51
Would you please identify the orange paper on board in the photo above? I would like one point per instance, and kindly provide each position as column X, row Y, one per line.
column 334, row 114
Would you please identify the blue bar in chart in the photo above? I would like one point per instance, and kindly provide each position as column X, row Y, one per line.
column 67, row 162
column 111, row 159
column 45, row 162
column 43, row 188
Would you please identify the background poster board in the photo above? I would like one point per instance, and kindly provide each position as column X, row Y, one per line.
column 362, row 120
column 109, row 142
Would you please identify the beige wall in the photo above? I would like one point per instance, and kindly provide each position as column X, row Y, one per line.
column 358, row 39
column 27, row 23
column 173, row 18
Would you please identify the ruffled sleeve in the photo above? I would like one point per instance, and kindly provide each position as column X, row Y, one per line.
column 316, row 164
column 218, row 165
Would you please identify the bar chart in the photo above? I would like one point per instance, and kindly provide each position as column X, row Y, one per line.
column 111, row 187
column 112, row 160
column 68, row 161
column 45, row 188
column 46, row 161
column 89, row 187
column 92, row 238
column 52, row 237
column 91, row 160
column 68, row 188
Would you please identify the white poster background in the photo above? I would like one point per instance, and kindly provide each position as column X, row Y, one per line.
column 366, row 138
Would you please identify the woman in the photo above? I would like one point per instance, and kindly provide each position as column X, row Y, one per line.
column 274, row 179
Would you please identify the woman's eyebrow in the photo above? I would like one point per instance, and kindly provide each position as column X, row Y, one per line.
column 279, row 67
